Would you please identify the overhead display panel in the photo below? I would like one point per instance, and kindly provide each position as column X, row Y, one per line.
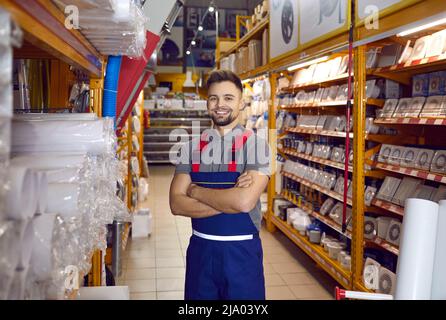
column 366, row 8
column 283, row 27
column 322, row 19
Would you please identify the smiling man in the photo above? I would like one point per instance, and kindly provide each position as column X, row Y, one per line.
column 218, row 184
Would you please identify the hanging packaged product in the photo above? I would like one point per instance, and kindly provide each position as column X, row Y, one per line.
column 439, row 162
column 434, row 108
column 388, row 188
column 406, row 188
column 370, row 227
column 409, row 157
column 420, row 86
column 424, row 159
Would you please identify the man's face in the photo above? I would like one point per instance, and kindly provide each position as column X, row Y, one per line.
column 224, row 103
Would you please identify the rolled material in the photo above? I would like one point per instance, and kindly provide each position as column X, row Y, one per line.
column 17, row 288
column 111, row 86
column 21, row 196
column 439, row 273
column 42, row 191
column 74, row 137
column 41, row 264
column 9, row 248
column 56, row 116
column 417, row 250
column 26, row 245
column 50, row 161
column 63, row 198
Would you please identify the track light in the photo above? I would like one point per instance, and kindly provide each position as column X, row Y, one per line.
column 307, row 63
column 193, row 42
column 188, row 52
column 200, row 28
column 211, row 8
column 422, row 27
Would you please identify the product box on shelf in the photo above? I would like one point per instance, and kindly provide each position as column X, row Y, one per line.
column 437, row 83
column 420, row 85
column 434, row 107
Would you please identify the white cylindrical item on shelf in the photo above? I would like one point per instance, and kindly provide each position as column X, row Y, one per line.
column 63, row 198
column 48, row 161
column 21, row 196
column 135, row 143
column 136, row 124
column 26, row 244
column 9, row 248
column 66, row 175
column 17, row 288
column 60, row 136
column 42, row 256
column 417, row 250
column 42, row 191
column 439, row 273
column 134, row 165
column 56, row 116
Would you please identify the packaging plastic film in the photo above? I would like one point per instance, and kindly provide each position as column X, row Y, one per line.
column 61, row 136
column 417, row 250
column 9, row 246
column 438, row 274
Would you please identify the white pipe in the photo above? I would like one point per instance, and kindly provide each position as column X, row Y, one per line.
column 21, row 202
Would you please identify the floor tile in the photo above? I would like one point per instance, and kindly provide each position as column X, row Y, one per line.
column 273, row 280
column 141, row 263
column 288, row 267
column 169, row 262
column 140, row 274
column 311, row 291
column 171, row 295
column 170, row 284
column 279, row 293
column 170, row 273
column 298, row 278
column 143, row 296
column 142, row 285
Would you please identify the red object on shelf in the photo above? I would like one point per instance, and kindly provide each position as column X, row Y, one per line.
column 132, row 79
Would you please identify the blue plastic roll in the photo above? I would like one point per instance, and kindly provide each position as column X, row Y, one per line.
column 111, row 87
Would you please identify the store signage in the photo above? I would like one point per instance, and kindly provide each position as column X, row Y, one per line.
column 321, row 19
column 284, row 27
column 365, row 5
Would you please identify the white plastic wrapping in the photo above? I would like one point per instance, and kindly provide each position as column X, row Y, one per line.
column 417, row 250
column 21, row 184
column 75, row 137
column 118, row 28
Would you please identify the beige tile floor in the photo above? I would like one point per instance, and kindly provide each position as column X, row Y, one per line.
column 154, row 267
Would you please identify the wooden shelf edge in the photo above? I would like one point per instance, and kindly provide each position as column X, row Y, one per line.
column 426, row 175
column 326, row 162
column 316, row 253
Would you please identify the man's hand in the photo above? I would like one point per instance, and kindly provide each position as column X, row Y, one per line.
column 244, row 180
column 192, row 187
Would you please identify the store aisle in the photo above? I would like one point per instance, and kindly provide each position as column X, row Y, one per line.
column 154, row 268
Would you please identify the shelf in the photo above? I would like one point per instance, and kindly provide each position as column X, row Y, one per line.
column 337, row 78
column 384, row 244
column 372, row 102
column 330, row 163
column 329, row 222
column 255, row 72
column 152, row 120
column 316, row 187
column 415, row 65
column 413, row 172
column 247, row 37
column 316, row 252
column 388, row 206
column 43, row 24
column 412, row 121
column 327, row 133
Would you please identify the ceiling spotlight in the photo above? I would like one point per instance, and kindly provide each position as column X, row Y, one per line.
column 188, row 52
column 200, row 28
column 211, row 8
column 193, row 42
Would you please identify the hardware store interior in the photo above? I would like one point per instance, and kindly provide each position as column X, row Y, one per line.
column 99, row 99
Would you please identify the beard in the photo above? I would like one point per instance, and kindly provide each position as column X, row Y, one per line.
column 222, row 121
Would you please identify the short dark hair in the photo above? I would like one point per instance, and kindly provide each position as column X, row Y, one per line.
column 224, row 75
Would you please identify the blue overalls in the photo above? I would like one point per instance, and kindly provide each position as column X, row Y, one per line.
column 224, row 258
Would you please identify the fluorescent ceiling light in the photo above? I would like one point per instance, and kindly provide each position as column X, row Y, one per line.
column 307, row 63
column 422, row 27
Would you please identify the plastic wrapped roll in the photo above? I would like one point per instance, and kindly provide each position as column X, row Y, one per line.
column 42, row 191
column 56, row 116
column 136, row 124
column 417, row 250
column 75, row 137
column 21, row 195
column 26, row 234
column 50, row 161
column 9, row 246
column 439, row 275
column 17, row 288
column 42, row 256
column 63, row 198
